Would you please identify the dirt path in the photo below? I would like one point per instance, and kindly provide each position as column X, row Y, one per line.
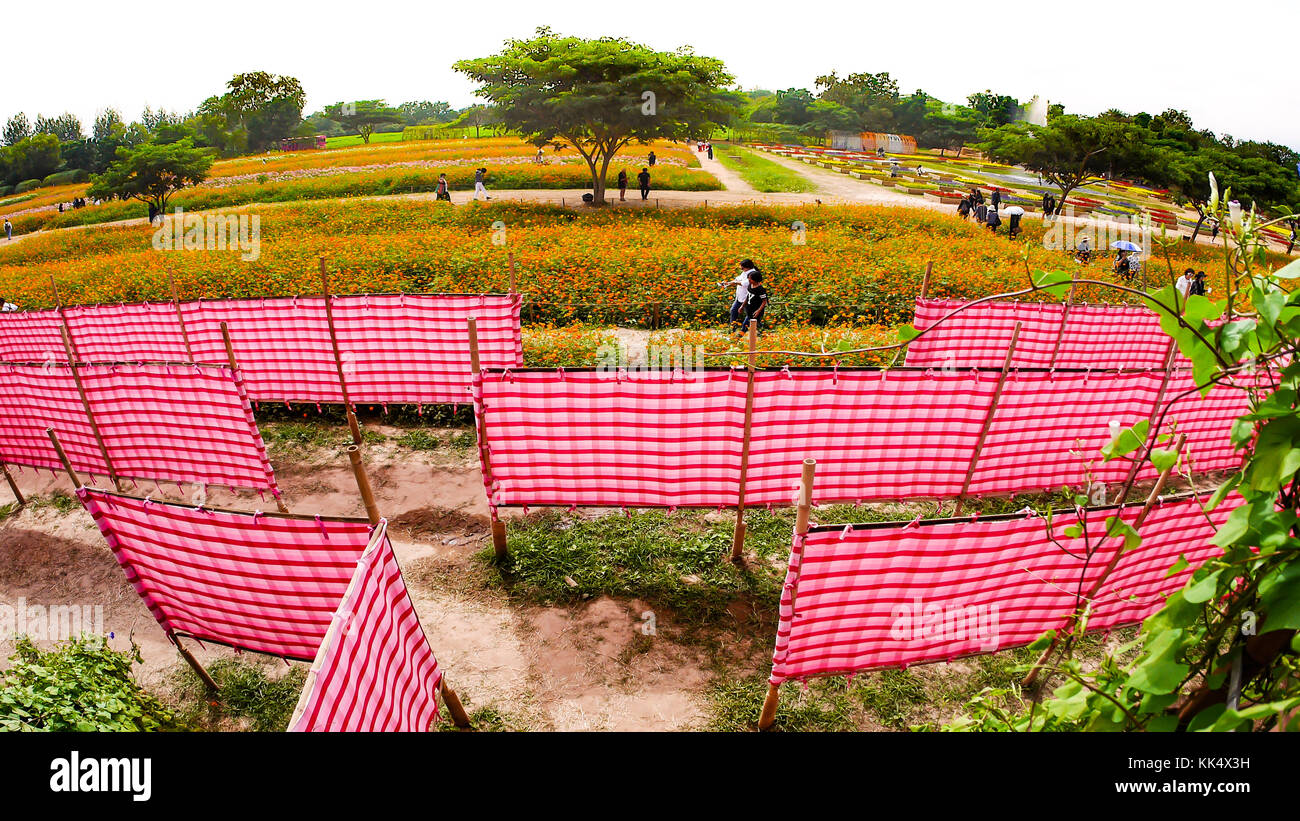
column 730, row 180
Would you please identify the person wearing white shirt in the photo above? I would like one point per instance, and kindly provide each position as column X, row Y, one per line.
column 742, row 291
column 7, row 306
column 1184, row 283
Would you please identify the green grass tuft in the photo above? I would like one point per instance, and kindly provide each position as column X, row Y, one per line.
column 763, row 174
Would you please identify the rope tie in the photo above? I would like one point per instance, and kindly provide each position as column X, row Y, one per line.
column 321, row 524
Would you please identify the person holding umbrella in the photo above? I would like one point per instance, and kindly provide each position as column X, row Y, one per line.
column 1014, row 213
column 1127, row 264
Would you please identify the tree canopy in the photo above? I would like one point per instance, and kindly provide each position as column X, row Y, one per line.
column 599, row 95
column 152, row 172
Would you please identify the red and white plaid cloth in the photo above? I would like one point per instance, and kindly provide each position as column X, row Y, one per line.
column 253, row 581
column 375, row 671
column 593, row 438
column 1094, row 336
column 174, row 423
column 396, row 349
column 876, row 596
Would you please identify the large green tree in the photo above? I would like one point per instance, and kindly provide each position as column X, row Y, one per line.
column 600, row 95
column 152, row 172
column 363, row 116
column 1068, row 152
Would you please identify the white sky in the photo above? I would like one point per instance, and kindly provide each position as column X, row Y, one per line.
column 1133, row 55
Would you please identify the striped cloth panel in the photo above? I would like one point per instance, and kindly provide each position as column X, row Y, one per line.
column 864, row 597
column 254, row 581
column 375, row 671
column 174, row 423
column 602, row 439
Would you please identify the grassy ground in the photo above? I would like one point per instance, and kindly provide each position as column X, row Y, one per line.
column 762, row 173
column 355, row 139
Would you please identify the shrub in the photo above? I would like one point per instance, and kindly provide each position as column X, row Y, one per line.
column 27, row 185
column 81, row 686
column 72, row 175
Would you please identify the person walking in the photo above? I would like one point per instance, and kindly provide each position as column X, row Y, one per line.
column 153, row 213
column 1214, row 230
column 981, row 211
column 9, row 230
column 643, row 179
column 738, row 307
column 996, row 199
column 963, row 208
column 709, row 147
column 480, row 176
column 1291, row 244
column 1047, row 203
column 755, row 300
column 651, row 159
column 444, row 190
column 622, row 184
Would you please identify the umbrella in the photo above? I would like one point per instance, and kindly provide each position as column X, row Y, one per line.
column 1014, row 211
column 1124, row 245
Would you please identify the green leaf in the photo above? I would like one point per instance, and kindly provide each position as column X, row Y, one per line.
column 1053, row 282
column 906, row 333
column 1202, row 590
column 1178, row 566
column 1289, row 271
column 1128, row 441
column 1163, row 460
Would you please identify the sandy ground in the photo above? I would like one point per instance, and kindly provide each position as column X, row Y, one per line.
column 584, row 667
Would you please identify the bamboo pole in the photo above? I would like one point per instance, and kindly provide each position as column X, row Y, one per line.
column 63, row 457
column 238, row 374
column 925, row 282
column 363, row 484
column 804, row 511
column 58, row 303
column 1065, row 316
column 85, row 404
column 449, row 697
column 194, row 664
column 180, row 318
column 1032, row 676
column 1152, row 434
column 513, row 277
column 338, row 356
column 13, row 486
column 988, row 421
column 499, row 545
column 738, row 538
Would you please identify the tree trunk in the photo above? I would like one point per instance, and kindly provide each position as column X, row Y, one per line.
column 1197, row 230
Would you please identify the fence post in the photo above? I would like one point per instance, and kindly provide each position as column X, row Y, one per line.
column 338, row 357
column 363, row 485
column 988, row 420
column 498, row 527
column 63, row 457
column 1152, row 433
column 194, row 663
column 13, row 486
column 180, row 318
column 768, row 716
column 85, row 403
column 238, row 376
column 925, row 282
column 1065, row 315
column 457, row 710
column 738, row 538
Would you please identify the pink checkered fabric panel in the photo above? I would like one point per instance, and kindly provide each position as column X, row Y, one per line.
column 1048, row 429
column 257, row 582
column 415, row 349
column 148, row 332
column 874, row 434
column 1094, row 336
column 31, row 336
column 375, row 671
column 889, row 596
column 1206, row 421
column 282, row 346
column 606, row 439
column 178, row 423
column 33, row 398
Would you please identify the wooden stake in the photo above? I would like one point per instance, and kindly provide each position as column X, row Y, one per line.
column 498, row 526
column 738, row 538
column 768, row 716
column 1032, row 676
column 58, row 303
column 988, row 420
column 1065, row 315
column 13, row 486
column 363, row 484
column 925, row 283
column 63, row 457
column 449, row 697
column 180, row 318
column 194, row 664
column 85, row 404
column 1152, row 434
column 334, row 341
column 234, row 369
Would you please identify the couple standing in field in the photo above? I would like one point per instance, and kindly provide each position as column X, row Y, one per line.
column 444, row 189
column 751, row 296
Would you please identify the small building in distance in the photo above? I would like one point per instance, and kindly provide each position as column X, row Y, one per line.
column 872, row 142
column 303, row 143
